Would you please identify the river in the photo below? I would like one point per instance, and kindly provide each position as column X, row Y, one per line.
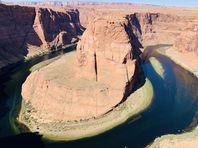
column 175, row 103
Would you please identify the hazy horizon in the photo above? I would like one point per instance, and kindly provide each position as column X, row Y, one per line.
column 177, row 3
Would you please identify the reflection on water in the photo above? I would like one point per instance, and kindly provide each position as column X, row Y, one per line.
column 173, row 108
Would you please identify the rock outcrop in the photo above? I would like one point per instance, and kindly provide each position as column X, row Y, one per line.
column 23, row 29
column 105, row 41
column 101, row 74
column 91, row 81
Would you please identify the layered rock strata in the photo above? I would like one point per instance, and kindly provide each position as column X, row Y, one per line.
column 154, row 27
column 26, row 31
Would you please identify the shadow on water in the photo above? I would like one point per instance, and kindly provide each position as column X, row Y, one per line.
column 11, row 80
column 173, row 108
column 25, row 140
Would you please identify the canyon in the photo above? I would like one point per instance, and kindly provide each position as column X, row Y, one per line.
column 103, row 74
column 28, row 31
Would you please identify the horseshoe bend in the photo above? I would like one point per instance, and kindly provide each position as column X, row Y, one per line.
column 80, row 71
column 86, row 83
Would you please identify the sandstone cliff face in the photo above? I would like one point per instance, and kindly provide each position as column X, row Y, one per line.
column 25, row 28
column 153, row 28
column 15, row 25
column 108, row 45
column 157, row 28
column 56, row 29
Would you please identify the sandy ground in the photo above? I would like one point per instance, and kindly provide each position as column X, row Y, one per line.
column 188, row 60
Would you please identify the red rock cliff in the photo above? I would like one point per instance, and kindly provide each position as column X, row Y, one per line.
column 151, row 27
column 25, row 30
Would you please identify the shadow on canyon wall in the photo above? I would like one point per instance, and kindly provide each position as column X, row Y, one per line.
column 23, row 28
column 138, row 79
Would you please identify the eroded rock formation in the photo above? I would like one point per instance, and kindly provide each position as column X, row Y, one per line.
column 104, row 66
column 91, row 81
column 28, row 30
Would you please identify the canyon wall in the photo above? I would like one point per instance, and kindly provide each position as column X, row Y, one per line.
column 160, row 26
column 26, row 31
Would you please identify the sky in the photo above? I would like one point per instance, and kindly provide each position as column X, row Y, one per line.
column 179, row 3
